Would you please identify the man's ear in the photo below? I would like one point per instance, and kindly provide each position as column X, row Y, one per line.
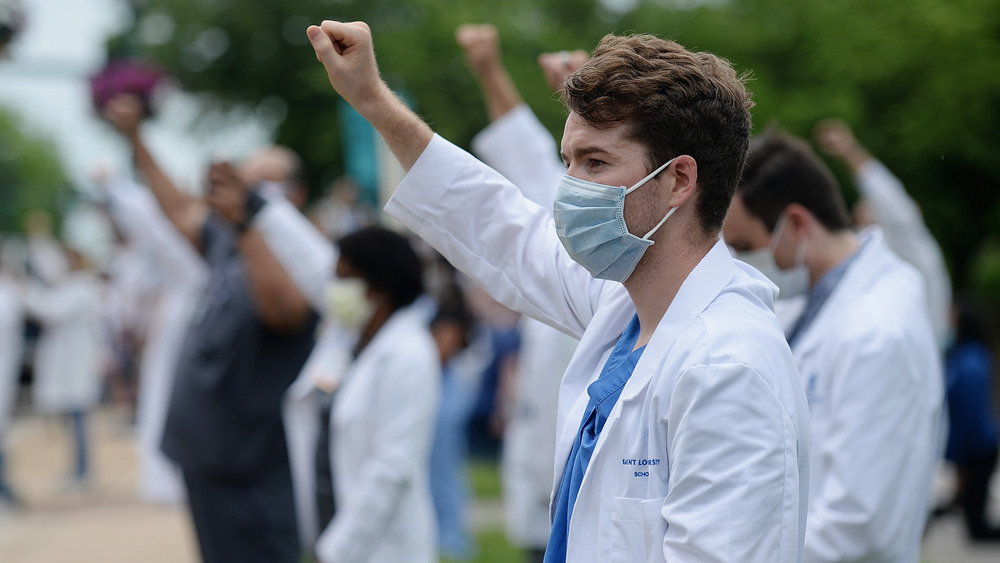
column 684, row 170
column 799, row 219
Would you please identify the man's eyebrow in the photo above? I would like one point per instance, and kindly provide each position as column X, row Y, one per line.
column 582, row 152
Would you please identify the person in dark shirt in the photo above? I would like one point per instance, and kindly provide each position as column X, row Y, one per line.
column 250, row 333
column 972, row 432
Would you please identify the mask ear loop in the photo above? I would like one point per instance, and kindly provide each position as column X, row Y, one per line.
column 640, row 183
column 660, row 224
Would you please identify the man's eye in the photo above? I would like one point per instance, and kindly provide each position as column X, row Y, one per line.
column 594, row 163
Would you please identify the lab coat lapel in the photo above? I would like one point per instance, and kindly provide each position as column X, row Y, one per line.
column 612, row 316
column 701, row 287
column 858, row 275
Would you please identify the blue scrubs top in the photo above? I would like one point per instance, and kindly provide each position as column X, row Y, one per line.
column 604, row 394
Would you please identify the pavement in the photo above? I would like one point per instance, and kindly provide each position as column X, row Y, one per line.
column 107, row 523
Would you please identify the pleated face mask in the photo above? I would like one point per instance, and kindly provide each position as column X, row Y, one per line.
column 590, row 223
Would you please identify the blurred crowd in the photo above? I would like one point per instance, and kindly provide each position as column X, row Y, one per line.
column 308, row 380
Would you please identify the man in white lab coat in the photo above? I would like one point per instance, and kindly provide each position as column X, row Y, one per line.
column 865, row 351
column 679, row 345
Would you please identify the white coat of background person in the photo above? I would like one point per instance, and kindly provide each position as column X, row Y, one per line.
column 183, row 274
column 518, row 146
column 70, row 351
column 865, row 351
column 384, row 409
column 886, row 203
column 669, row 478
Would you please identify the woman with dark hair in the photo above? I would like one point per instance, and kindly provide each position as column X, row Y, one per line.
column 382, row 416
column 972, row 433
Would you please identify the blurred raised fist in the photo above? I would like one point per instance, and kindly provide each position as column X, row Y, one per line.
column 228, row 193
column 834, row 137
column 558, row 66
column 125, row 112
column 481, row 43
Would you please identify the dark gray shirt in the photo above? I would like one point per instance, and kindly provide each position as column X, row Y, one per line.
column 224, row 418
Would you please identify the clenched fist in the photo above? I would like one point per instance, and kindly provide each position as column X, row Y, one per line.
column 345, row 49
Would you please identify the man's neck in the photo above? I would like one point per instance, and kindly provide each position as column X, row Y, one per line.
column 828, row 250
column 658, row 278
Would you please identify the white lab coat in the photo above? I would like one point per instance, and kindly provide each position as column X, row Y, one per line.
column 518, row 146
column 182, row 273
column 873, row 378
column 382, row 423
column 11, row 345
column 705, row 455
column 906, row 234
column 70, row 352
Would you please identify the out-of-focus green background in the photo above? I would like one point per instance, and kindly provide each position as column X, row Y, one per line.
column 917, row 80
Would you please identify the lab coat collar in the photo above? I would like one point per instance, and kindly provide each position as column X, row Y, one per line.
column 701, row 287
column 863, row 273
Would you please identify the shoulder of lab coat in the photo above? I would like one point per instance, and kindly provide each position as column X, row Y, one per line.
column 397, row 380
column 77, row 295
column 738, row 373
column 136, row 212
column 878, row 409
column 484, row 226
column 908, row 236
column 307, row 256
column 518, row 146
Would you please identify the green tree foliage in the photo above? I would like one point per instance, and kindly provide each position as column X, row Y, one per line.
column 916, row 79
column 31, row 176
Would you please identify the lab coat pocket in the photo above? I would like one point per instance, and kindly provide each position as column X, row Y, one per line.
column 637, row 529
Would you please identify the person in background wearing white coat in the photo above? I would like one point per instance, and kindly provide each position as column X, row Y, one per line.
column 885, row 203
column 679, row 344
column 865, row 350
column 182, row 275
column 11, row 346
column 518, row 146
column 383, row 412
column 69, row 357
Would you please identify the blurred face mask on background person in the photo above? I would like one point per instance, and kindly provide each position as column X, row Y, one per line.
column 347, row 303
column 590, row 222
column 791, row 282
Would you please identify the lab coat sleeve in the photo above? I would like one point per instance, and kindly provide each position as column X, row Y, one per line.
column 405, row 409
column 518, row 146
column 908, row 236
column 732, row 447
column 307, row 256
column 139, row 216
column 487, row 229
column 871, row 439
column 57, row 304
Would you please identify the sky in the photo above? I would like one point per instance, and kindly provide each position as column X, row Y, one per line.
column 44, row 80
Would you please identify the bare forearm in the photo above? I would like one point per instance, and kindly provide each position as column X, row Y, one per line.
column 855, row 158
column 185, row 212
column 278, row 301
column 499, row 91
column 403, row 130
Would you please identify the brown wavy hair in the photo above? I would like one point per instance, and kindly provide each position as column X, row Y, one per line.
column 676, row 102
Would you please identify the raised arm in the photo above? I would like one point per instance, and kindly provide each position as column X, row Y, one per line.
column 185, row 212
column 278, row 301
column 515, row 143
column 345, row 49
column 481, row 44
column 467, row 211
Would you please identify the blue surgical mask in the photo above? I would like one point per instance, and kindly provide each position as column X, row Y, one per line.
column 590, row 222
